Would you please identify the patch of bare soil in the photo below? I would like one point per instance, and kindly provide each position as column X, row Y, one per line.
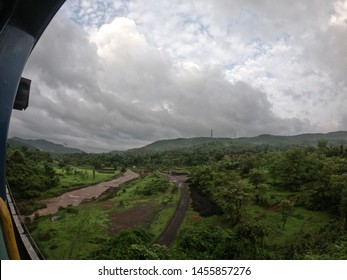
column 140, row 215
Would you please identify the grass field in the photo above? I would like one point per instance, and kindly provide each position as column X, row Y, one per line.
column 300, row 221
column 74, row 235
column 83, row 176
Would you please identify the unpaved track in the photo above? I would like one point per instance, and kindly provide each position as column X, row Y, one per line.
column 76, row 197
column 170, row 232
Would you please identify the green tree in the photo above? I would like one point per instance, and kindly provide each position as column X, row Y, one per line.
column 201, row 242
column 131, row 244
column 287, row 209
column 28, row 178
column 68, row 169
column 252, row 236
column 326, row 194
column 257, row 178
column 344, row 206
column 232, row 198
column 296, row 168
column 322, row 144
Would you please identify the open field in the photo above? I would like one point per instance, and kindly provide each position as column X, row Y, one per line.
column 72, row 233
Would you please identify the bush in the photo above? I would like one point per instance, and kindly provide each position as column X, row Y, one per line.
column 157, row 185
column 200, row 242
column 131, row 244
column 72, row 210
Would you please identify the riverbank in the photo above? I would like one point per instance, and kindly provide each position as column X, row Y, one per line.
column 76, row 197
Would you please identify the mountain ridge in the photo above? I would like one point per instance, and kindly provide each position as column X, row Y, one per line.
column 44, row 145
column 306, row 139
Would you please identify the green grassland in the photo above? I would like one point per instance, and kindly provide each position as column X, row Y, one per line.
column 299, row 222
column 75, row 234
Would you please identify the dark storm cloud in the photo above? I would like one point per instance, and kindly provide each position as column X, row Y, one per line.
column 122, row 74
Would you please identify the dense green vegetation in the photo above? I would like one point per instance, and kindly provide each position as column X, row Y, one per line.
column 34, row 175
column 249, row 200
column 30, row 174
column 275, row 204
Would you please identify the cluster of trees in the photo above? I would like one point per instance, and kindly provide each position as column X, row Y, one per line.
column 316, row 178
column 29, row 172
column 134, row 244
column 195, row 242
column 180, row 157
column 156, row 185
column 246, row 241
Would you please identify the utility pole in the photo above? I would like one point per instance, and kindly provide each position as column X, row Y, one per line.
column 211, row 133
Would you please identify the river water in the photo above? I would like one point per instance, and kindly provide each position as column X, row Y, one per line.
column 77, row 196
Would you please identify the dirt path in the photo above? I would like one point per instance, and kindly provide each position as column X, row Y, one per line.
column 169, row 234
column 76, row 197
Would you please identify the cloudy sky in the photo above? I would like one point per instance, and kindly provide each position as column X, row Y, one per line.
column 120, row 74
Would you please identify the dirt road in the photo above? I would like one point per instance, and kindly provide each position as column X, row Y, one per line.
column 76, row 197
column 170, row 232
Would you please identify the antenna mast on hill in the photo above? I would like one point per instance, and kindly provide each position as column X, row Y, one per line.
column 211, row 133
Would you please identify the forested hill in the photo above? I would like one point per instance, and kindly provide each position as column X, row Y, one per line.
column 238, row 144
column 44, row 146
column 306, row 140
column 180, row 143
column 309, row 139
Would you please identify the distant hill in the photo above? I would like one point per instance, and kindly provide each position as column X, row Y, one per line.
column 44, row 146
column 306, row 140
column 179, row 143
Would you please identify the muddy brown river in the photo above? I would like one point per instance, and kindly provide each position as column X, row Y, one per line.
column 77, row 196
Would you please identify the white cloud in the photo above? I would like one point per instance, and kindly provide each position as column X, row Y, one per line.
column 340, row 16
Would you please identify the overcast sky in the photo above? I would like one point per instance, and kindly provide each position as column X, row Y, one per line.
column 112, row 75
